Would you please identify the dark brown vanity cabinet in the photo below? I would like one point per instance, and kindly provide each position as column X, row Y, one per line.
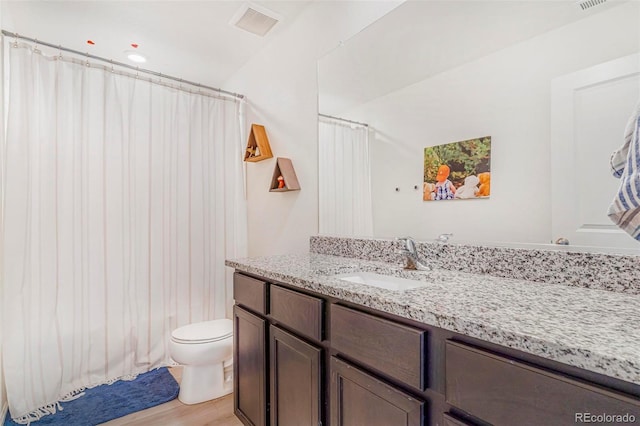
column 278, row 372
column 250, row 367
column 358, row 398
column 295, row 364
column 393, row 350
column 296, row 381
column 303, row 359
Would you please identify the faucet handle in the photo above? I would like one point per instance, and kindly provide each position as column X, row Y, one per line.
column 443, row 238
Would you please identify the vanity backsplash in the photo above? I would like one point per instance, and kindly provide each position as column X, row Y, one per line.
column 618, row 273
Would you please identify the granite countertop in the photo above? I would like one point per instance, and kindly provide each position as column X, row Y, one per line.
column 593, row 329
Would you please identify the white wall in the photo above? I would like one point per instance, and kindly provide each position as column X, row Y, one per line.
column 281, row 87
column 505, row 95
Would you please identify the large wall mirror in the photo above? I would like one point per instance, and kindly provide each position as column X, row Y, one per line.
column 552, row 83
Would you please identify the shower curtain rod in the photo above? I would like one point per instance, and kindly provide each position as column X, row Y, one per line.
column 120, row 64
column 343, row 119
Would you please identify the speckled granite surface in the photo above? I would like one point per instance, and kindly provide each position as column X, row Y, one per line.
column 588, row 328
column 617, row 273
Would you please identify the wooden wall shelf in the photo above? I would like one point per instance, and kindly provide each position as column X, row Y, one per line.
column 284, row 168
column 258, row 147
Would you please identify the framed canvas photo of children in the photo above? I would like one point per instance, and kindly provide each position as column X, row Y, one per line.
column 458, row 170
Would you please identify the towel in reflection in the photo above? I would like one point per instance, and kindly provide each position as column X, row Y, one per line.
column 625, row 164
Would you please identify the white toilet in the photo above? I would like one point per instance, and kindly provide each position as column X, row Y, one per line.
column 205, row 350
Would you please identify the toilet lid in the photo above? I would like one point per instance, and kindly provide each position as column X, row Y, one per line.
column 203, row 332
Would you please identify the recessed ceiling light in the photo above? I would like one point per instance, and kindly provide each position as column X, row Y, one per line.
column 136, row 57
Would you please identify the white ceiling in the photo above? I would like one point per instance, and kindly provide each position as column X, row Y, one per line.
column 187, row 39
column 422, row 38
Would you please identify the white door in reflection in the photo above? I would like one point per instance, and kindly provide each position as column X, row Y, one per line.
column 589, row 112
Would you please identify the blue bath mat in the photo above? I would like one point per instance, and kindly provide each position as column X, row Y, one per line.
column 108, row 402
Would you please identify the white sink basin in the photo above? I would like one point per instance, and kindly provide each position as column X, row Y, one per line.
column 381, row 281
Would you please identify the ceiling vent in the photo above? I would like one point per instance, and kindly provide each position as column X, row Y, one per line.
column 255, row 19
column 587, row 4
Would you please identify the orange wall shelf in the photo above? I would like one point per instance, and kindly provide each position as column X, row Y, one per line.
column 258, row 147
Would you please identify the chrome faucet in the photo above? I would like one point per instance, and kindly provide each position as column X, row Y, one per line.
column 411, row 255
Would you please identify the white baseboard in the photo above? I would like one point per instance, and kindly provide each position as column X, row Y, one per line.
column 3, row 412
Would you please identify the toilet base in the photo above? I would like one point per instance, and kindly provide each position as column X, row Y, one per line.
column 202, row 383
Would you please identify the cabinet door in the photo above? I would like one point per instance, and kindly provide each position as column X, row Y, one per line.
column 295, row 380
column 250, row 367
column 358, row 398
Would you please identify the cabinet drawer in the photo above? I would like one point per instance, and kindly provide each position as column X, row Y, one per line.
column 250, row 293
column 507, row 392
column 391, row 348
column 298, row 311
column 358, row 398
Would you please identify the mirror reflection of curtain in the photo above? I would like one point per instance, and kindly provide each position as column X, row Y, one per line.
column 344, row 179
column 121, row 200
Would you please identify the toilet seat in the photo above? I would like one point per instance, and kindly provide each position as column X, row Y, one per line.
column 203, row 332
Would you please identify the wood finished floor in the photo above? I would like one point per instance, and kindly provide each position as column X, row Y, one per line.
column 218, row 412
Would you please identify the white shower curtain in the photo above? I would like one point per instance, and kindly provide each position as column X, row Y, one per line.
column 121, row 200
column 344, row 179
